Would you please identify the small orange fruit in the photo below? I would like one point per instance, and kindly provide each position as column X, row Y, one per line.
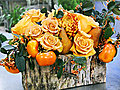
column 107, row 53
column 46, row 59
column 12, row 70
column 32, row 48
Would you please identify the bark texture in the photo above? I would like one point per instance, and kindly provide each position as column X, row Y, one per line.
column 43, row 78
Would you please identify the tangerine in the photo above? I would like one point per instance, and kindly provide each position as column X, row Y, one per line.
column 12, row 70
column 32, row 48
column 46, row 59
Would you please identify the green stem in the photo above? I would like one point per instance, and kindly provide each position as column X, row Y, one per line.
column 66, row 62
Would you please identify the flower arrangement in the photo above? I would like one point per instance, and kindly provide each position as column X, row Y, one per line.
column 44, row 35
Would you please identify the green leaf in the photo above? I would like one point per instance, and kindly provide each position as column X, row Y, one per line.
column 55, row 13
column 31, row 64
column 59, row 62
column 0, row 43
column 108, row 32
column 111, row 5
column 20, row 63
column 88, row 13
column 60, row 14
column 10, row 42
column 3, row 38
column 104, row 11
column 111, row 19
column 22, row 50
column 8, row 47
column 80, row 60
column 75, row 67
column 60, row 72
column 2, row 50
column 87, row 6
column 116, row 11
column 44, row 10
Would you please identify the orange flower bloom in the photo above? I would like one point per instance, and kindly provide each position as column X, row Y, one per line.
column 79, row 69
column 70, row 22
column 113, row 29
column 54, row 68
column 74, row 71
column 63, row 69
column 73, row 62
column 117, row 17
column 80, row 4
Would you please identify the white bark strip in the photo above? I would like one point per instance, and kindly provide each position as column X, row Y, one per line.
column 42, row 78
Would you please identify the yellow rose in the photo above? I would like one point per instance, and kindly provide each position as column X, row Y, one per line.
column 35, row 30
column 86, row 23
column 50, row 25
column 50, row 42
column 35, row 15
column 82, row 46
column 26, row 27
column 22, row 27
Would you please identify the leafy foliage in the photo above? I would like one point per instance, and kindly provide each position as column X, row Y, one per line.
column 114, row 7
column 20, row 63
column 2, row 39
column 86, row 8
column 44, row 10
column 12, row 16
column 108, row 32
column 59, row 63
column 81, row 61
column 31, row 63
column 104, row 18
column 68, row 4
column 6, row 49
column 60, row 14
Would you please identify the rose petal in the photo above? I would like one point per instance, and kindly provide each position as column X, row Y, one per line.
column 82, row 46
column 50, row 42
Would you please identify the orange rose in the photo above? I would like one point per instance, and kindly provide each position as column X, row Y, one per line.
column 50, row 25
column 50, row 42
column 35, row 30
column 35, row 15
column 82, row 46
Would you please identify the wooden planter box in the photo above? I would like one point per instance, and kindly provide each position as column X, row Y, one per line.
column 41, row 78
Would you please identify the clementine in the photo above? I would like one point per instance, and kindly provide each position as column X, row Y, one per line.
column 12, row 70
column 46, row 59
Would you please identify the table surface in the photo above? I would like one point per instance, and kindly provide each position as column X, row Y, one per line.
column 10, row 81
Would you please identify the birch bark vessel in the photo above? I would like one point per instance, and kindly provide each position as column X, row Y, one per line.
column 42, row 78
